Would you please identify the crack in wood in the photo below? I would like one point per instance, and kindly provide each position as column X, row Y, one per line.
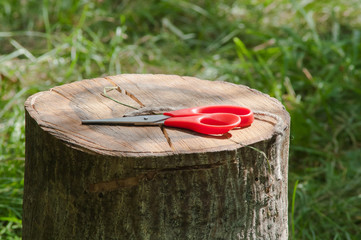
column 129, row 94
column 132, row 96
column 193, row 167
column 165, row 133
column 61, row 94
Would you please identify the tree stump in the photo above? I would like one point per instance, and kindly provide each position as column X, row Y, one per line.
column 126, row 182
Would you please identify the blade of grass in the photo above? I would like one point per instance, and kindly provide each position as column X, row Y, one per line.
column 293, row 210
column 23, row 50
column 244, row 55
column 45, row 15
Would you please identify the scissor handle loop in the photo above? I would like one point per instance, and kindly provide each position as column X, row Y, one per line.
column 214, row 123
column 244, row 113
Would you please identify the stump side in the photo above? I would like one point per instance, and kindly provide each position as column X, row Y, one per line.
column 72, row 194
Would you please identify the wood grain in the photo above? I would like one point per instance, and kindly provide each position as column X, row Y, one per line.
column 61, row 110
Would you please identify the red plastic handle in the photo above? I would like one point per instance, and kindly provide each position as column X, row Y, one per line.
column 215, row 123
column 244, row 113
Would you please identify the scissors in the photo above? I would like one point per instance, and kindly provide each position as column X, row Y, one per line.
column 217, row 119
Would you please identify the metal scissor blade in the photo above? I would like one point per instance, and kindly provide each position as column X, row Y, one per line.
column 144, row 120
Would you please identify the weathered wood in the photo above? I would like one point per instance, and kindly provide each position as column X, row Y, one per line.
column 124, row 182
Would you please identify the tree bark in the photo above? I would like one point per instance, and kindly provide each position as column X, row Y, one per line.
column 126, row 182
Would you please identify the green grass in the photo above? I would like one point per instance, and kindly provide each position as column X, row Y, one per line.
column 305, row 53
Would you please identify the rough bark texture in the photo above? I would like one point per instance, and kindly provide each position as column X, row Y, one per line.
column 113, row 182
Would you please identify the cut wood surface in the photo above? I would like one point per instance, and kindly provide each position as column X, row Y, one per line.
column 135, row 182
column 60, row 111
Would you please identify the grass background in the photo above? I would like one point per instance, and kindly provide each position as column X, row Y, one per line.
column 306, row 53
